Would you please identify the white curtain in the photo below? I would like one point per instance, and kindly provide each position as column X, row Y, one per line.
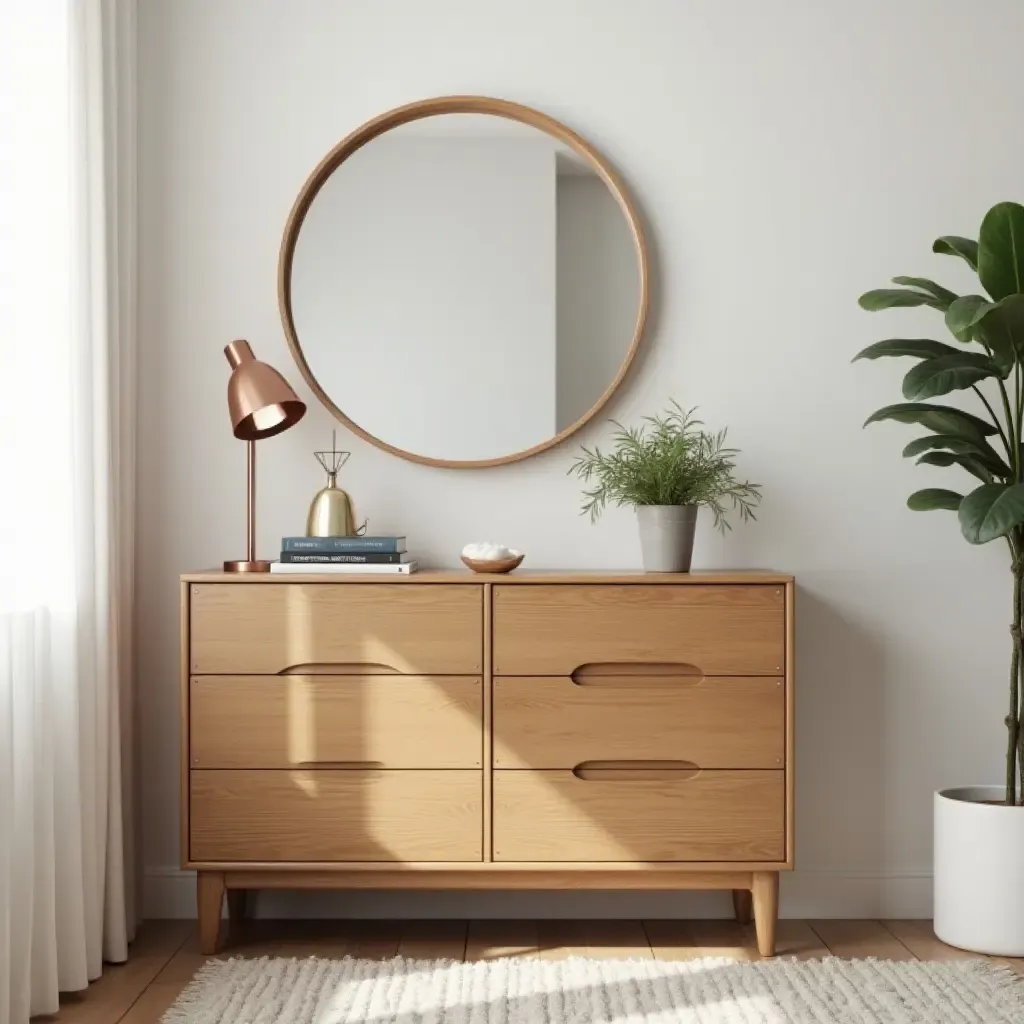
column 67, row 457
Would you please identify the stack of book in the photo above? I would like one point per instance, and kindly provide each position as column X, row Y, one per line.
column 345, row 555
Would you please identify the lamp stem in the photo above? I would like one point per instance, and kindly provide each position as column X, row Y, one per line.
column 250, row 563
column 250, row 511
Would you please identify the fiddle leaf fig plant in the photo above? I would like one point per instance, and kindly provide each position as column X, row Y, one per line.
column 986, row 358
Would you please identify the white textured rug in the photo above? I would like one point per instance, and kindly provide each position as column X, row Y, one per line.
column 578, row 991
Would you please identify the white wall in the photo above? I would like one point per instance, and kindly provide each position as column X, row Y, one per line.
column 423, row 292
column 787, row 156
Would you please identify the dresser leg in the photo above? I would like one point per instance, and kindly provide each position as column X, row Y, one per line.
column 766, row 910
column 210, row 900
column 742, row 904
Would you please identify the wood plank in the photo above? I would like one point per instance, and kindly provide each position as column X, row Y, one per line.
column 373, row 940
column 267, row 630
column 686, row 940
column 790, row 588
column 920, row 938
column 474, row 875
column 527, row 576
column 494, row 939
column 856, row 940
column 691, row 940
column 161, row 993
column 557, row 940
column 294, row 815
column 433, row 940
column 798, row 939
column 719, row 722
column 325, row 721
column 113, row 994
column 617, row 940
column 555, row 816
column 715, row 630
column 325, row 937
column 185, row 616
column 487, row 738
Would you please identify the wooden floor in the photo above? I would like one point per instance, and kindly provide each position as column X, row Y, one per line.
column 165, row 954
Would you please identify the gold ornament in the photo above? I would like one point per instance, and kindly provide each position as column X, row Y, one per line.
column 331, row 513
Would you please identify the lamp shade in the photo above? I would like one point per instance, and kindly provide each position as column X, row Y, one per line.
column 260, row 401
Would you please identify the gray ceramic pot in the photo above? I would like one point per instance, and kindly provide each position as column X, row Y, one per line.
column 666, row 536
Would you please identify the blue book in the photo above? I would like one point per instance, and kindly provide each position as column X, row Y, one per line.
column 355, row 545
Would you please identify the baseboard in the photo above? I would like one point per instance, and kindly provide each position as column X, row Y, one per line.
column 806, row 893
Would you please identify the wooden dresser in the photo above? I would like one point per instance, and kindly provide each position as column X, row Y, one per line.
column 454, row 731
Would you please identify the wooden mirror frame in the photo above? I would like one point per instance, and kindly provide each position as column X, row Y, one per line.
column 415, row 112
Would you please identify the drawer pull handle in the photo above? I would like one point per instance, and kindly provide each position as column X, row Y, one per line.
column 339, row 668
column 637, row 673
column 636, row 771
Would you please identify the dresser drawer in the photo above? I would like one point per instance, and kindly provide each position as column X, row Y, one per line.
column 553, row 629
column 334, row 815
column 274, row 627
column 382, row 721
column 719, row 722
column 713, row 816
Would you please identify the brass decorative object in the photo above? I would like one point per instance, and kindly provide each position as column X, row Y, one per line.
column 331, row 513
column 261, row 404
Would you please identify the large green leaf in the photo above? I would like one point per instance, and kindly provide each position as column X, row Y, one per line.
column 888, row 298
column 981, row 450
column 933, row 498
column 954, row 245
column 942, row 419
column 948, row 373
column 1001, row 250
column 922, row 284
column 968, row 462
column 964, row 313
column 991, row 511
column 1001, row 328
column 919, row 348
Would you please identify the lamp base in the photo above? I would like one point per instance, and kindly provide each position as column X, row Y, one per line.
column 242, row 565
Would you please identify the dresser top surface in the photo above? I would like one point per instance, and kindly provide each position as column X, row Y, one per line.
column 738, row 576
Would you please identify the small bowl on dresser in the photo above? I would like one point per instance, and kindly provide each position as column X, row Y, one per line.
column 493, row 564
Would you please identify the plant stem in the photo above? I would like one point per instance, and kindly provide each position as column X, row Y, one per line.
column 1013, row 737
column 995, row 419
column 1017, row 543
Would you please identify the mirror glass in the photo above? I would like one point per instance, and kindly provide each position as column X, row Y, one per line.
column 464, row 287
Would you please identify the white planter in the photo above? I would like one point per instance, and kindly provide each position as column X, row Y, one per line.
column 979, row 871
column 666, row 536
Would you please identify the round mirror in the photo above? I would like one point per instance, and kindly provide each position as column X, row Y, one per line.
column 463, row 281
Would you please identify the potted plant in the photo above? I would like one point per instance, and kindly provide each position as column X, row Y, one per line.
column 667, row 468
column 979, row 830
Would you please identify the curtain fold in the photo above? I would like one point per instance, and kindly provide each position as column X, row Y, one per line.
column 67, row 469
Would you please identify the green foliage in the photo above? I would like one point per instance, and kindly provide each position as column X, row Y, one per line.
column 991, row 511
column 669, row 460
column 1001, row 250
column 994, row 371
column 954, row 245
column 964, row 313
column 932, row 498
column 919, row 348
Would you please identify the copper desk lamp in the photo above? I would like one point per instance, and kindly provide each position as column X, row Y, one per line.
column 261, row 404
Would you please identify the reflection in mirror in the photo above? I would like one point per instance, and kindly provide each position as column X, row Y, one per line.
column 464, row 287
